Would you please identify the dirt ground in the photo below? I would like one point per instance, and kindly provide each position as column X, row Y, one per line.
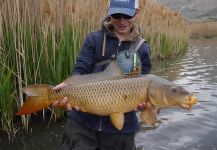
column 194, row 10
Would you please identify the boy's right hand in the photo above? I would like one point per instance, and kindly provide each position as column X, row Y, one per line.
column 64, row 103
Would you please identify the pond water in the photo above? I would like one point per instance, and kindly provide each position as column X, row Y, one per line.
column 187, row 130
column 177, row 129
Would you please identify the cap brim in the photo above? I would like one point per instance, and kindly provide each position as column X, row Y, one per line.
column 126, row 11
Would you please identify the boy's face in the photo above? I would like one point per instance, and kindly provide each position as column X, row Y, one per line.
column 122, row 23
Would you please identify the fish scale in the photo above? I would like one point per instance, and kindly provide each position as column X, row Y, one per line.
column 111, row 95
column 106, row 97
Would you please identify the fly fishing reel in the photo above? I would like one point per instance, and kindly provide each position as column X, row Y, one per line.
column 129, row 62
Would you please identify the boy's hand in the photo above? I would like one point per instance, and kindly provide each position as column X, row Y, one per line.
column 141, row 106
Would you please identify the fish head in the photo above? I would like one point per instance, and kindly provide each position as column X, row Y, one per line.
column 163, row 93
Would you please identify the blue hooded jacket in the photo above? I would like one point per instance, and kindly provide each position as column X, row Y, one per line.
column 90, row 54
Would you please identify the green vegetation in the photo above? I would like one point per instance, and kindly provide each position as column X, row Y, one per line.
column 40, row 40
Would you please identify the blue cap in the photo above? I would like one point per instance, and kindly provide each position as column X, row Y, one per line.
column 127, row 7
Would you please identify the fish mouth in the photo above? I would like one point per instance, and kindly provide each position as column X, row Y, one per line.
column 189, row 102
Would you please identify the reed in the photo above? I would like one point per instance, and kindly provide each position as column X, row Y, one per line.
column 165, row 30
column 40, row 40
column 204, row 29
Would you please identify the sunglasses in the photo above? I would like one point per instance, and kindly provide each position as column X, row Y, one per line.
column 119, row 16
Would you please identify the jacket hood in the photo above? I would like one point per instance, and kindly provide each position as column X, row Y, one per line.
column 109, row 29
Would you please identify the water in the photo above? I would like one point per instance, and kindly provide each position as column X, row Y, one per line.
column 176, row 129
column 187, row 130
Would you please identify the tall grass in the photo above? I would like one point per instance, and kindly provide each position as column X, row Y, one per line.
column 166, row 30
column 204, row 29
column 40, row 40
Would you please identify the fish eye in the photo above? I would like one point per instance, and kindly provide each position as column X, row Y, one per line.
column 173, row 89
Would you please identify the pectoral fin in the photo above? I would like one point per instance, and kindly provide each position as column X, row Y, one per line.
column 149, row 115
column 117, row 120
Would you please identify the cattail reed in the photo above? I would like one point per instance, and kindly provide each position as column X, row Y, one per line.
column 40, row 40
column 204, row 29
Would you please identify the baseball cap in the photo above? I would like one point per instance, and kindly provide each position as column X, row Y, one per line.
column 127, row 7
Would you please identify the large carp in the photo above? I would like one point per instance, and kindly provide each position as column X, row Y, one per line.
column 112, row 96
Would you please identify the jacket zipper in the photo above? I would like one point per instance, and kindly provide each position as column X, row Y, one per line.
column 119, row 45
column 100, row 124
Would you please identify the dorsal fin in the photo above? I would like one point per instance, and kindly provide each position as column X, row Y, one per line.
column 111, row 71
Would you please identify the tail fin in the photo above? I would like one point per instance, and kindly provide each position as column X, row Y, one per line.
column 37, row 98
